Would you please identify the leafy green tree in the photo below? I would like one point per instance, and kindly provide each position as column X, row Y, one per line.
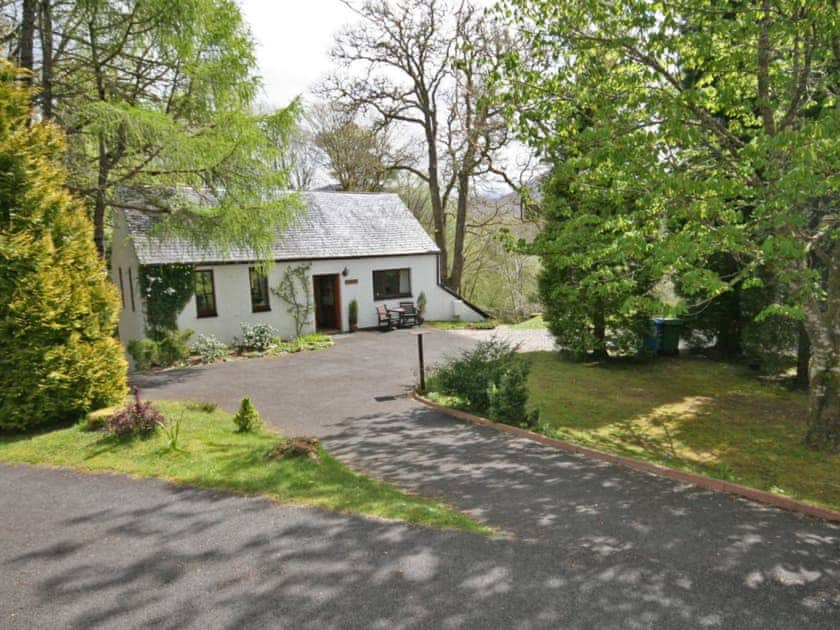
column 158, row 93
column 747, row 151
column 597, row 275
column 58, row 355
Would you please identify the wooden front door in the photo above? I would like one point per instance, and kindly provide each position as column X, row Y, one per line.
column 327, row 302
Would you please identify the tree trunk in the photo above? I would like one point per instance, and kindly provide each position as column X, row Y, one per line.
column 728, row 342
column 823, row 325
column 824, row 422
column 438, row 211
column 47, row 62
column 457, row 273
column 100, row 201
column 803, row 356
column 26, row 54
column 599, row 331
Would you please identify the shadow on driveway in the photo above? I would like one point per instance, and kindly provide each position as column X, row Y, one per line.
column 96, row 551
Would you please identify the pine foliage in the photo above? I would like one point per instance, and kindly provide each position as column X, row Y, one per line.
column 58, row 311
column 247, row 418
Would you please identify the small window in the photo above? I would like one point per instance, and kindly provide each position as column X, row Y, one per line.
column 259, row 291
column 131, row 289
column 391, row 283
column 122, row 288
column 205, row 294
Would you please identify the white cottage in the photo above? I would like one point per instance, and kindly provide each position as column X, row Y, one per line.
column 363, row 247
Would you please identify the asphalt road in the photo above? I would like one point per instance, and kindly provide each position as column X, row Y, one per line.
column 589, row 544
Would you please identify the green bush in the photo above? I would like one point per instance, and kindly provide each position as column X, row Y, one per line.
column 144, row 352
column 258, row 337
column 509, row 398
column 137, row 418
column 171, row 350
column 174, row 348
column 247, row 418
column 471, row 375
column 209, row 349
column 58, row 310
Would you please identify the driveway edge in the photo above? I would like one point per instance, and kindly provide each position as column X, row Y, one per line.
column 718, row 485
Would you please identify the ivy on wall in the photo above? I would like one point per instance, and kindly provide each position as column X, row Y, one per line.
column 166, row 289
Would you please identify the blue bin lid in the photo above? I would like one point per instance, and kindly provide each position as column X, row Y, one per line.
column 667, row 320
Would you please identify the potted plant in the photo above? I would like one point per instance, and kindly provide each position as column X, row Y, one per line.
column 353, row 315
column 421, row 307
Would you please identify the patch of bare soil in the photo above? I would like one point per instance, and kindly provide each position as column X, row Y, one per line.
column 296, row 447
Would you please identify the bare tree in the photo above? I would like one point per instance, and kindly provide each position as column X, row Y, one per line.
column 360, row 157
column 428, row 66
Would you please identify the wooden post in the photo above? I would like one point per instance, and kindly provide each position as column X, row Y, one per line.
column 420, row 334
column 422, row 367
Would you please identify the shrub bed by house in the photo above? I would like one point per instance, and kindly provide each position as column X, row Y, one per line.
column 173, row 349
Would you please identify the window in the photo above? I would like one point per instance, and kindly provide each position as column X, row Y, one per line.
column 131, row 289
column 122, row 288
column 391, row 283
column 259, row 291
column 205, row 294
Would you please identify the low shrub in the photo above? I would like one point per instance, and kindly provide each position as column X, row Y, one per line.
column 137, row 418
column 508, row 398
column 171, row 350
column 172, row 429
column 247, row 418
column 470, row 375
column 174, row 348
column 258, row 337
column 353, row 314
column 315, row 341
column 490, row 379
column 209, row 349
column 144, row 352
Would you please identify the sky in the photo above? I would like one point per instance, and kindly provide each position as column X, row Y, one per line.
column 293, row 40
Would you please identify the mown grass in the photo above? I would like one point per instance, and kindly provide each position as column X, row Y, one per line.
column 489, row 324
column 535, row 323
column 693, row 414
column 213, row 455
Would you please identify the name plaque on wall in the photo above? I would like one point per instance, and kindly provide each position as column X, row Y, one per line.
column 351, row 281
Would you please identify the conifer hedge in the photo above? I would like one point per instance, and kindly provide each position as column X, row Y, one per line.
column 58, row 312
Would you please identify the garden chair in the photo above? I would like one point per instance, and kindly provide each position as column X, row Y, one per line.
column 409, row 315
column 386, row 320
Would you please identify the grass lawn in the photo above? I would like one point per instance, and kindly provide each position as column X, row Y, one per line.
column 488, row 324
column 214, row 455
column 535, row 323
column 693, row 414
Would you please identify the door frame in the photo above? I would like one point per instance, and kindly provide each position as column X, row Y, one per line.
column 336, row 280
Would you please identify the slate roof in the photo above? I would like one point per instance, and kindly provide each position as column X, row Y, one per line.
column 332, row 225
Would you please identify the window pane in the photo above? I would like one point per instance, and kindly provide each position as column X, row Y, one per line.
column 205, row 298
column 391, row 283
column 405, row 282
column 259, row 290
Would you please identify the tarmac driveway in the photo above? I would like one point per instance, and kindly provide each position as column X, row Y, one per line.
column 588, row 545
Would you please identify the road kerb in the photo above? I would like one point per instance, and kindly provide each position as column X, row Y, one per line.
column 718, row 485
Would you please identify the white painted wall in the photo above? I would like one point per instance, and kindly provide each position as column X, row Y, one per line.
column 233, row 295
column 124, row 259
